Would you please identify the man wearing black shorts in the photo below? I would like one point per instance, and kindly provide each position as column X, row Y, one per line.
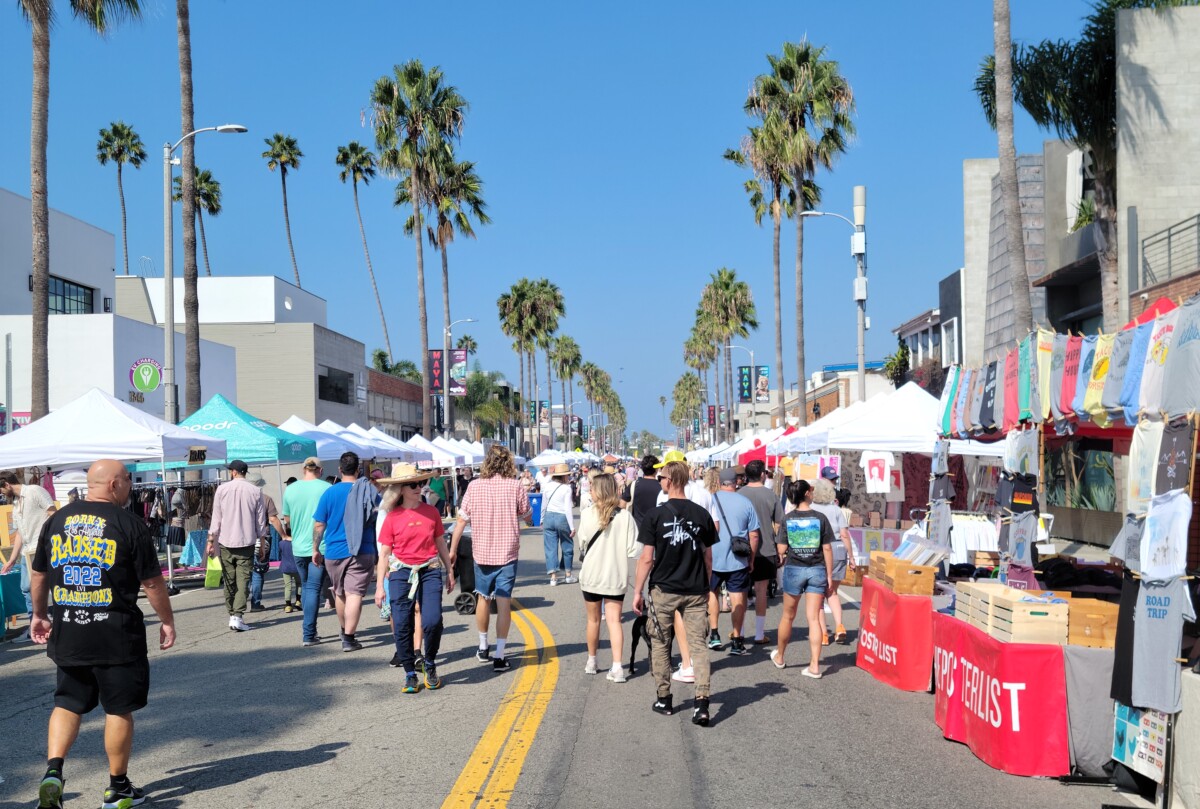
column 95, row 555
column 735, row 517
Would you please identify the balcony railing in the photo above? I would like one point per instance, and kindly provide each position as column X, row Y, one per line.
column 1172, row 252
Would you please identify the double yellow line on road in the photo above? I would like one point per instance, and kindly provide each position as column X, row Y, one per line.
column 491, row 773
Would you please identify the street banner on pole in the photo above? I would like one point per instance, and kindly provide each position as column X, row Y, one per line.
column 458, row 372
column 745, row 384
column 437, row 371
column 762, row 384
column 712, row 415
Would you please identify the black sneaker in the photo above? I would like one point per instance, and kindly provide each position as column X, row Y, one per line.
column 395, row 661
column 663, row 705
column 123, row 798
column 350, row 644
column 737, row 646
column 500, row 664
column 50, row 790
column 257, row 607
column 700, row 713
column 313, row 642
column 432, row 681
column 714, row 639
column 411, row 683
column 482, row 655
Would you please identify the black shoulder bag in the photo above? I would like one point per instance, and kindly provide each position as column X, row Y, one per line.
column 739, row 545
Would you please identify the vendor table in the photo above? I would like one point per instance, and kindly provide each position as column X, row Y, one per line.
column 1005, row 701
column 895, row 642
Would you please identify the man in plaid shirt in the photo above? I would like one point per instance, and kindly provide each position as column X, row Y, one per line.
column 494, row 504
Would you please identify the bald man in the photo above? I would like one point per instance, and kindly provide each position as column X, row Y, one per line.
column 95, row 555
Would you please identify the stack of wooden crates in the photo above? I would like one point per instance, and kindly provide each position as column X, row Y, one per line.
column 901, row 576
column 1001, row 612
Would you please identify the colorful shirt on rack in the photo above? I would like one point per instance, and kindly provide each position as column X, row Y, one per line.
column 940, row 464
column 1045, row 358
column 960, row 407
column 1087, row 353
column 1118, row 366
column 1095, row 383
column 1131, row 389
column 1143, row 464
column 1156, row 358
column 975, row 405
column 1066, row 397
column 939, row 523
column 1022, row 534
column 1012, row 412
column 949, row 392
column 1127, row 546
column 1025, row 349
column 987, row 408
column 1164, row 542
column 1058, row 362
column 1179, row 389
column 1174, row 466
column 1162, row 607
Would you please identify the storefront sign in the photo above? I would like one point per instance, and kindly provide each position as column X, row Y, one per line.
column 1006, row 701
column 145, row 375
column 895, row 642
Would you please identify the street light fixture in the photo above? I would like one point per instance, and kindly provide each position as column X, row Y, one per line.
column 858, row 249
column 170, row 404
column 446, row 373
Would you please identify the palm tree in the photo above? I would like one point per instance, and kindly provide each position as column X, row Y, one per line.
column 120, row 144
column 730, row 304
column 208, row 201
column 814, row 103
column 548, row 307
column 662, row 402
column 358, row 165
column 763, row 150
column 98, row 15
column 467, row 343
column 187, row 189
column 402, row 369
column 686, row 396
column 415, row 115
column 512, row 307
column 284, row 153
column 567, row 360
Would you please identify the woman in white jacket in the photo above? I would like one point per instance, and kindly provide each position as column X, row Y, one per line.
column 607, row 538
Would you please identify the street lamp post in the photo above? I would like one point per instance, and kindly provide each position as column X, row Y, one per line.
column 858, row 249
column 170, row 404
column 446, row 426
column 754, row 387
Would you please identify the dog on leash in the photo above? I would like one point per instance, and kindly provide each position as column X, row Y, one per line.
column 641, row 632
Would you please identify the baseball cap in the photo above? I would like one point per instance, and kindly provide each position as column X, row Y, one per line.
column 829, row 473
column 729, row 475
column 739, row 468
column 256, row 479
column 238, row 466
column 671, row 457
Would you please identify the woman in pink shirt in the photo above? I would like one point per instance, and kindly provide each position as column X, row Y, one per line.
column 414, row 561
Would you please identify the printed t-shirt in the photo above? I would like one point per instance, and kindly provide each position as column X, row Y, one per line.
column 1131, row 389
column 1101, row 359
column 299, row 504
column 949, row 394
column 941, row 488
column 878, row 469
column 770, row 512
column 1058, row 362
column 1087, row 354
column 1156, row 358
column 30, row 515
column 939, row 523
column 1066, row 398
column 679, row 531
column 987, row 409
column 1118, row 366
column 1181, row 376
column 960, row 411
column 1127, row 546
column 736, row 517
column 410, row 534
column 1143, row 464
column 786, row 465
column 1021, row 451
column 805, row 534
column 1045, row 356
column 331, row 510
column 1162, row 607
column 940, row 464
column 975, row 402
column 1022, row 534
column 1174, row 465
column 645, row 494
column 1025, row 375
column 96, row 556
column 1164, row 541
column 1012, row 410
column 494, row 507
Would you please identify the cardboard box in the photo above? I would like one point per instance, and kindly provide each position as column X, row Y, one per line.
column 1092, row 622
column 856, row 521
column 854, row 575
column 875, row 519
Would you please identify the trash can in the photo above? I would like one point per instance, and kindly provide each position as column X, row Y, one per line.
column 464, row 571
column 535, row 504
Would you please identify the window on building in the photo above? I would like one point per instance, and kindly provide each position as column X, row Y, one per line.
column 335, row 386
column 950, row 342
column 67, row 298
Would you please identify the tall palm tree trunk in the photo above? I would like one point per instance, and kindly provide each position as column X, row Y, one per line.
column 1009, row 190
column 370, row 272
column 524, row 408
column 566, row 422
column 801, row 379
column 187, row 189
column 124, row 231
column 39, row 16
column 537, row 403
column 204, row 246
column 446, row 339
column 729, row 386
column 287, row 226
column 423, row 318
column 779, row 409
column 1106, row 221
column 550, row 395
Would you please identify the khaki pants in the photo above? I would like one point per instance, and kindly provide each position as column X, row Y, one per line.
column 694, row 610
column 236, row 564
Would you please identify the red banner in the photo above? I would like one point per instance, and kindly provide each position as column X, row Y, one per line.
column 1006, row 701
column 895, row 642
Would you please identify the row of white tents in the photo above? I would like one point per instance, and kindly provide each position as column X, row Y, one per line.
column 903, row 420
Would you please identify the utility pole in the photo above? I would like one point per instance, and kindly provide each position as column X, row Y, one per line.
column 858, row 246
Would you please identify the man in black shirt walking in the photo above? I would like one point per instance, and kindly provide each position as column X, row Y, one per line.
column 677, row 539
column 95, row 555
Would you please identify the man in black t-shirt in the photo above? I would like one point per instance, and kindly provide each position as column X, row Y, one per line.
column 641, row 495
column 94, row 555
column 677, row 539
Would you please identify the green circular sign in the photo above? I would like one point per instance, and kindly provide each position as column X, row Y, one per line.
column 145, row 375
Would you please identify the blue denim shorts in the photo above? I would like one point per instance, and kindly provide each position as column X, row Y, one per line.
column 495, row 581
column 799, row 580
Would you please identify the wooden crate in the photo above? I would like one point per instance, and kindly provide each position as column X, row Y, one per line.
column 1092, row 622
column 854, row 575
column 1017, row 621
column 900, row 576
column 985, row 558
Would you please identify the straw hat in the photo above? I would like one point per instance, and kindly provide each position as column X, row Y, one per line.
column 406, row 473
column 558, row 470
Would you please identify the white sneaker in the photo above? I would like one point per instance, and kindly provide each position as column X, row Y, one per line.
column 682, row 675
column 570, row 580
column 590, row 668
column 553, row 582
column 23, row 638
column 617, row 674
column 236, row 623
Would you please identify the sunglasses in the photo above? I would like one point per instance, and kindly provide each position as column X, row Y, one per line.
column 661, row 478
column 411, row 485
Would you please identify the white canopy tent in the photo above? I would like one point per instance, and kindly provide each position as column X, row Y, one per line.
column 414, row 453
column 329, row 446
column 466, row 450
column 385, row 448
column 547, row 457
column 746, row 444
column 438, row 457
column 367, row 449
column 815, row 436
column 703, row 454
column 449, row 447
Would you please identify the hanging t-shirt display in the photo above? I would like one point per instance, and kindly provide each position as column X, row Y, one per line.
column 941, row 488
column 1162, row 608
column 1087, row 353
column 1025, row 375
column 1045, row 359
column 939, row 523
column 1036, row 391
column 1118, row 365
column 960, row 408
column 1022, row 533
column 1174, row 467
column 991, row 401
column 948, row 393
column 1143, row 464
column 1156, row 358
column 975, row 405
column 1095, row 386
column 1011, row 391
column 1058, row 361
column 1066, row 397
column 1131, row 389
column 940, row 463
column 1021, row 451
column 1004, row 491
column 1164, row 541
column 1127, row 546
column 1024, row 494
column 1122, row 676
column 1181, row 377
column 877, row 466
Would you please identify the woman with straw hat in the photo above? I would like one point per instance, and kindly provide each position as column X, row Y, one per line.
column 416, row 564
column 558, row 524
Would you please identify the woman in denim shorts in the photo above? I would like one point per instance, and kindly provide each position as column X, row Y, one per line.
column 807, row 544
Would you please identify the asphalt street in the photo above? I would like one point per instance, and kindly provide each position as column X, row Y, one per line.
column 255, row 720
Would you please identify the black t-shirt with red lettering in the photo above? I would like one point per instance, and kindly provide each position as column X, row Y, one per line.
column 95, row 557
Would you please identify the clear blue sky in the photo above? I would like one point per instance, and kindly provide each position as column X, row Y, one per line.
column 597, row 129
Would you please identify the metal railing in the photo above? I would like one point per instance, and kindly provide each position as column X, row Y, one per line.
column 1171, row 252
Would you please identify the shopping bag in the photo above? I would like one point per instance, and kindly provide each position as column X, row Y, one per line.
column 212, row 575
